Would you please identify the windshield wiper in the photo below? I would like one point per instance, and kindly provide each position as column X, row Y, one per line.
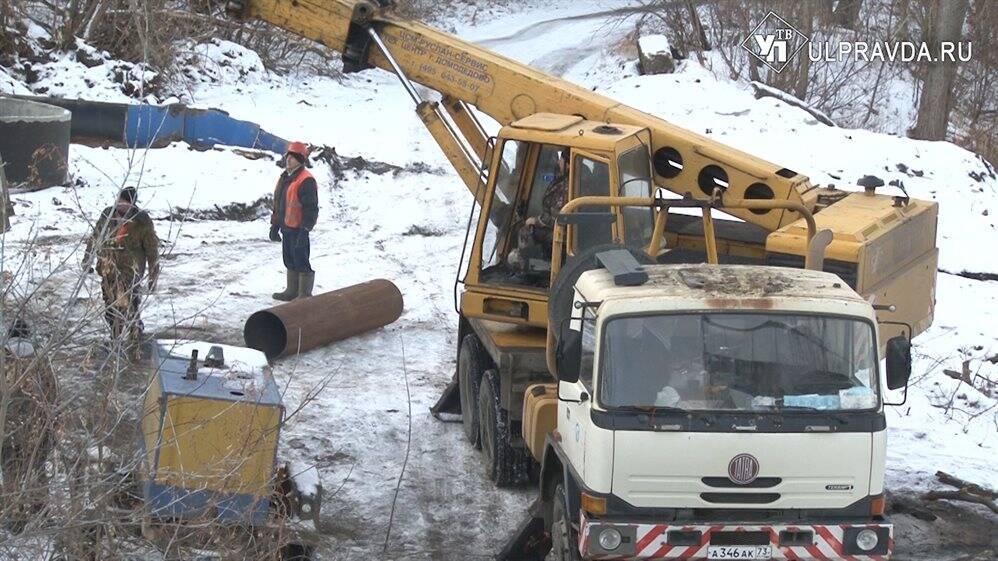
column 796, row 408
column 831, row 414
column 650, row 409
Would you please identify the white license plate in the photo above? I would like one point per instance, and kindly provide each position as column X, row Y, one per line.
column 740, row 552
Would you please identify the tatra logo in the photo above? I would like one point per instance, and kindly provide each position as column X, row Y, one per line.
column 743, row 469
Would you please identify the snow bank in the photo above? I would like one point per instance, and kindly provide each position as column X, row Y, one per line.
column 221, row 62
column 90, row 74
column 11, row 86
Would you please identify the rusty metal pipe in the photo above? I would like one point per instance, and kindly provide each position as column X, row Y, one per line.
column 305, row 324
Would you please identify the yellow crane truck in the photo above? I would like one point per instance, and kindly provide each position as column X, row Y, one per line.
column 746, row 306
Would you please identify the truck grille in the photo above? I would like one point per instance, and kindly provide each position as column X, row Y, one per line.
column 727, row 483
column 740, row 498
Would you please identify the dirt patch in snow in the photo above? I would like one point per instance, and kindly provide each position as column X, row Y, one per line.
column 339, row 165
column 941, row 530
column 238, row 212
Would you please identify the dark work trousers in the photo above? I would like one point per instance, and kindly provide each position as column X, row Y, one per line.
column 296, row 249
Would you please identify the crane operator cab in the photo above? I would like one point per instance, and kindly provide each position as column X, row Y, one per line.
column 540, row 163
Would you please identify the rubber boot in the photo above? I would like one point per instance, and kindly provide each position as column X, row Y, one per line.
column 305, row 282
column 291, row 291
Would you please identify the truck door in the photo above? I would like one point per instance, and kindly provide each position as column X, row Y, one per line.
column 574, row 422
column 499, row 212
column 516, row 246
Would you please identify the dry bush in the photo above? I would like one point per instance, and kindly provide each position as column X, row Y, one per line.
column 69, row 415
column 155, row 34
column 69, row 419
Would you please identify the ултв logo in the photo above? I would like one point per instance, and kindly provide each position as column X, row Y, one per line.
column 775, row 42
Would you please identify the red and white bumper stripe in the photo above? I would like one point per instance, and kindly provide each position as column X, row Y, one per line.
column 651, row 541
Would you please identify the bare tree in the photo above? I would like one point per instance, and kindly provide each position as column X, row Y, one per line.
column 945, row 24
column 975, row 109
column 6, row 209
column 846, row 13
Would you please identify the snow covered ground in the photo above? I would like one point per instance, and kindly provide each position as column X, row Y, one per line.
column 409, row 227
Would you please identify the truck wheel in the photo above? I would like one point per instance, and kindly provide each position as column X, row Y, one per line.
column 504, row 465
column 471, row 364
column 563, row 546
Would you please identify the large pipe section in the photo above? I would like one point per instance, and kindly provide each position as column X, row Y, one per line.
column 143, row 125
column 305, row 324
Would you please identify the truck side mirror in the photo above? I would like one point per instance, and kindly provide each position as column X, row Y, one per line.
column 898, row 362
column 568, row 354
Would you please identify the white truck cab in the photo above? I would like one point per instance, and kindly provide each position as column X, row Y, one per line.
column 720, row 412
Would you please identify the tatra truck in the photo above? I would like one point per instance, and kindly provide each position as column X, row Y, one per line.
column 714, row 412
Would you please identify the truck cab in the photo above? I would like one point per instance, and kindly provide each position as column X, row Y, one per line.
column 719, row 412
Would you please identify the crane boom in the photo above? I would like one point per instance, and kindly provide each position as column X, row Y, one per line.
column 882, row 246
column 507, row 90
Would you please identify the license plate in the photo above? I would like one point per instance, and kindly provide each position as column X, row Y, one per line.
column 740, row 552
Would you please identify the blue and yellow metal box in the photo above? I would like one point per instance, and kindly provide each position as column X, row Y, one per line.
column 209, row 443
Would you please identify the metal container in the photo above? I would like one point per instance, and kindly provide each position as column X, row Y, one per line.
column 210, row 427
column 34, row 142
column 308, row 323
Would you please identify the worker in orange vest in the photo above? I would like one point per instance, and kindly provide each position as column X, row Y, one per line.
column 296, row 208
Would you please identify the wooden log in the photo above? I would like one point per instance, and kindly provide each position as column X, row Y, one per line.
column 961, row 495
column 966, row 485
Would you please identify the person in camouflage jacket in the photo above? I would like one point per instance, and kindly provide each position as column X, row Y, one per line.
column 126, row 247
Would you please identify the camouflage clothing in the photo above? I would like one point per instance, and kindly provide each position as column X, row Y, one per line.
column 534, row 242
column 555, row 197
column 124, row 240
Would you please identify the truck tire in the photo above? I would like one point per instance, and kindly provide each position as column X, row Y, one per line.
column 471, row 365
column 563, row 546
column 504, row 464
column 562, row 292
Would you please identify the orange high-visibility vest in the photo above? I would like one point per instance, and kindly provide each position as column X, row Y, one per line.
column 292, row 203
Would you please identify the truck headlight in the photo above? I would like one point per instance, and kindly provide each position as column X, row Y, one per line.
column 865, row 540
column 610, row 538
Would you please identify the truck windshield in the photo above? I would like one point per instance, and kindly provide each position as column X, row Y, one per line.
column 738, row 362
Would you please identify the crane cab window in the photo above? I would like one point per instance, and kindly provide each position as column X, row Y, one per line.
column 519, row 254
column 547, row 173
column 635, row 181
column 592, row 178
column 504, row 201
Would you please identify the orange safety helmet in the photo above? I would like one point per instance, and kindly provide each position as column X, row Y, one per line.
column 299, row 149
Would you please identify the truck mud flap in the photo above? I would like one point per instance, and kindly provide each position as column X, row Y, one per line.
column 449, row 402
column 530, row 541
